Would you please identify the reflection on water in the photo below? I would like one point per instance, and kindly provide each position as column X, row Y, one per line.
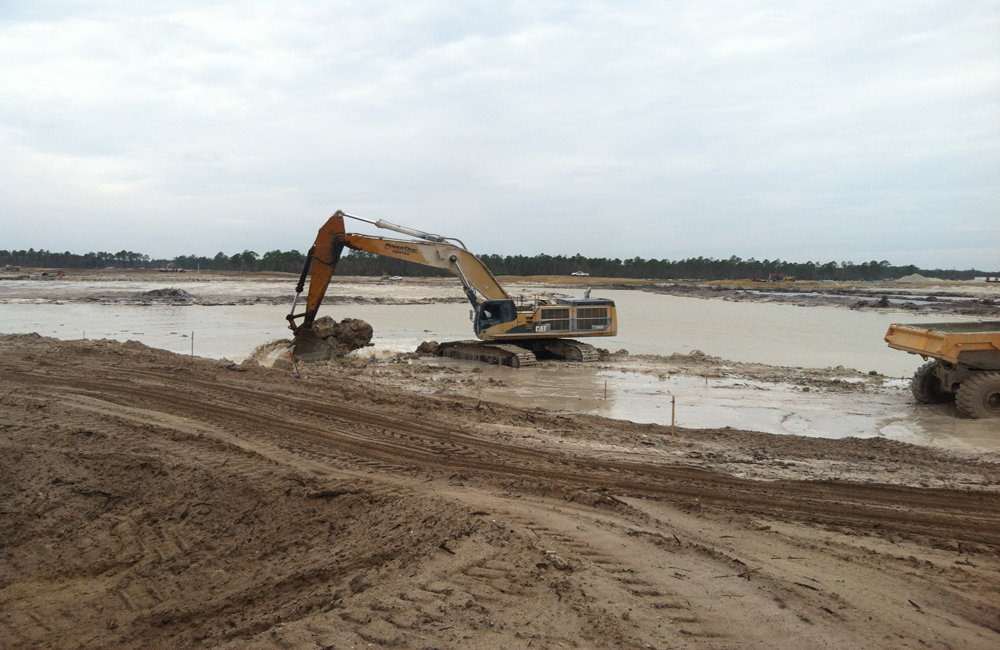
column 736, row 403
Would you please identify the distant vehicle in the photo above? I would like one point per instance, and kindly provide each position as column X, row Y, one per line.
column 580, row 273
column 396, row 277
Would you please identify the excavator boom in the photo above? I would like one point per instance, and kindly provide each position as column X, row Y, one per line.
column 537, row 327
column 436, row 252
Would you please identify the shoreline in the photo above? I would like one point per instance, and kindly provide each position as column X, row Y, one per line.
column 216, row 288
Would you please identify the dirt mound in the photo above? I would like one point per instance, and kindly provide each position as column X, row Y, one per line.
column 346, row 336
column 428, row 347
column 916, row 278
column 604, row 354
column 171, row 294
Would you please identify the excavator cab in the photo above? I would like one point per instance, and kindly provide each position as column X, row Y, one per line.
column 494, row 312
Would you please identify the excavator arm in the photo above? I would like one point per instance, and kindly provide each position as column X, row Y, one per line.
column 510, row 332
column 429, row 250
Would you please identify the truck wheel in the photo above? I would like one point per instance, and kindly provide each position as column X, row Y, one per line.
column 979, row 396
column 926, row 388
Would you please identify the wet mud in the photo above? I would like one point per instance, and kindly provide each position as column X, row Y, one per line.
column 871, row 297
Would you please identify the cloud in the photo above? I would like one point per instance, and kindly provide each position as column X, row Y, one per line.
column 810, row 130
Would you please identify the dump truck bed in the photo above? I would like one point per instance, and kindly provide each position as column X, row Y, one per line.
column 974, row 343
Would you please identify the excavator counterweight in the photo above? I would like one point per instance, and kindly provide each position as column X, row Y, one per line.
column 510, row 332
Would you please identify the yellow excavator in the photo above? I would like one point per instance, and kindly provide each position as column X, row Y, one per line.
column 510, row 332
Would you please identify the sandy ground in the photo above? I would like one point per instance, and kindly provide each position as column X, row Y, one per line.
column 150, row 500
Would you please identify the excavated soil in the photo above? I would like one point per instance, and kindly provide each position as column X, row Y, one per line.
column 150, row 500
column 346, row 336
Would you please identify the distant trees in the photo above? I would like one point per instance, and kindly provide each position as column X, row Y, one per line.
column 278, row 261
column 361, row 263
column 47, row 259
column 707, row 268
column 290, row 262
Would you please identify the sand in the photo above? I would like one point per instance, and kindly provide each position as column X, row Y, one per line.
column 152, row 500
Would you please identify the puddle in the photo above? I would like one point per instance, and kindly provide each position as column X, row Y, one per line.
column 740, row 404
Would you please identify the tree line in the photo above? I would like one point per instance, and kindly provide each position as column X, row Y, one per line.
column 361, row 263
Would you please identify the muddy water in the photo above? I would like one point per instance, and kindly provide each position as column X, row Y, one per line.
column 774, row 334
column 697, row 402
column 227, row 331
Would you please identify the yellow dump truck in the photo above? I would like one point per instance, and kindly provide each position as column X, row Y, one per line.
column 963, row 364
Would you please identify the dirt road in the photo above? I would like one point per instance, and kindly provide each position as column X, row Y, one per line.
column 159, row 501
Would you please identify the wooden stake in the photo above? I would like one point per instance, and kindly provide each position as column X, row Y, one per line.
column 673, row 410
column 605, row 390
column 192, row 343
column 374, row 380
column 479, row 391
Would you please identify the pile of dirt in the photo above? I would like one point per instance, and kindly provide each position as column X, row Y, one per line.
column 169, row 295
column 346, row 336
column 916, row 278
column 428, row 347
column 340, row 338
column 603, row 354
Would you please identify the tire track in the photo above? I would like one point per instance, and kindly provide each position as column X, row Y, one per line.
column 372, row 434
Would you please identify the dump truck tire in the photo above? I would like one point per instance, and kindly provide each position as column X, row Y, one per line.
column 925, row 386
column 979, row 396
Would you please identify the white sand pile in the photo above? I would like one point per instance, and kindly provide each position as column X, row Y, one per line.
column 916, row 278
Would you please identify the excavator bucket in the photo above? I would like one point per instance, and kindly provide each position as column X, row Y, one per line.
column 309, row 346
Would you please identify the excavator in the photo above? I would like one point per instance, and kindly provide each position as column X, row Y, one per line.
column 510, row 332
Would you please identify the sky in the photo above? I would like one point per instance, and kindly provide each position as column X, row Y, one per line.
column 844, row 131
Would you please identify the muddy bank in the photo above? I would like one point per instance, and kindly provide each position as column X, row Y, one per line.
column 211, row 288
column 926, row 296
column 896, row 298
column 155, row 500
column 692, row 390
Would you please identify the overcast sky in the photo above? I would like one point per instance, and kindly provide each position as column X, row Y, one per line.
column 803, row 131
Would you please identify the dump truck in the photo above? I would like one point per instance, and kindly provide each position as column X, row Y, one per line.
column 963, row 364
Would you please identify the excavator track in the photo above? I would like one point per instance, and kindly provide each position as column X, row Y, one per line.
column 521, row 354
column 564, row 349
column 587, row 353
column 503, row 354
